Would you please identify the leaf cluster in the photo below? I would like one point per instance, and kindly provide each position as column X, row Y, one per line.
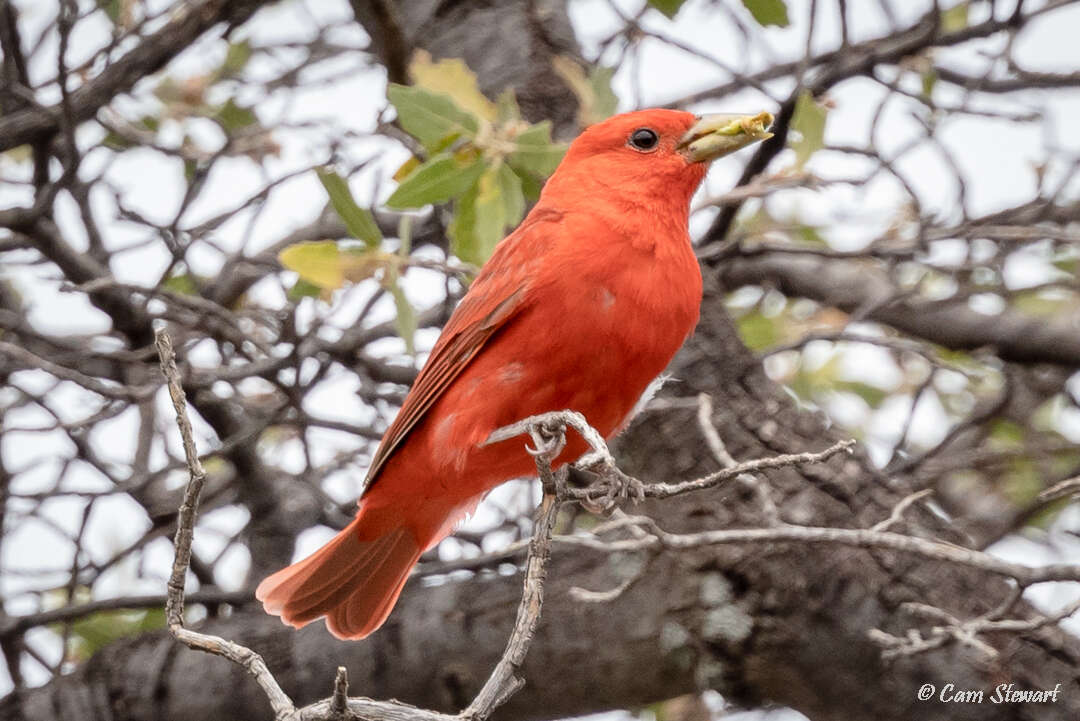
column 479, row 155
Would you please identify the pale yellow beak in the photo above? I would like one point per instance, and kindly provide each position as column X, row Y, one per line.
column 714, row 136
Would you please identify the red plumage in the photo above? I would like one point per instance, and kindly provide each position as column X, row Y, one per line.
column 579, row 308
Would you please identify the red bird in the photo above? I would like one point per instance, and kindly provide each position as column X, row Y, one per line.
column 580, row 308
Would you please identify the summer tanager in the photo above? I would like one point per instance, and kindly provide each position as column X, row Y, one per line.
column 580, row 308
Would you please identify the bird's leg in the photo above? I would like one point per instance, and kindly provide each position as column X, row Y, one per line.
column 549, row 440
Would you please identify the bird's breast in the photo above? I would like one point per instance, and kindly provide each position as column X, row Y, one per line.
column 622, row 314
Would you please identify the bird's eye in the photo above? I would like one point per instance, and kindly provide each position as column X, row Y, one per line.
column 644, row 139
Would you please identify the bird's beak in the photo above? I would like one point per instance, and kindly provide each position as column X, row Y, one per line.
column 714, row 136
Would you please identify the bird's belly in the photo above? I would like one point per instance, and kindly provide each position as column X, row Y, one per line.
column 596, row 360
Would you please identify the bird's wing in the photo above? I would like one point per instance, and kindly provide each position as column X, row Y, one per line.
column 500, row 291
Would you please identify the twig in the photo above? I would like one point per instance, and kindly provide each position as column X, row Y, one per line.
column 900, row 508
column 963, row 632
column 548, row 435
column 118, row 392
column 1059, row 490
column 14, row 625
column 667, row 490
column 503, row 681
column 720, row 452
column 174, row 604
column 601, row 455
column 712, row 436
column 339, row 702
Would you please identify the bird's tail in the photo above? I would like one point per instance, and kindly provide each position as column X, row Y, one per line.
column 353, row 582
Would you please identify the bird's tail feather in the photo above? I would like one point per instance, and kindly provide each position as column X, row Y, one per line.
column 353, row 582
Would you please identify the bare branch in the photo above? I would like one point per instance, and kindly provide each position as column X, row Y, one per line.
column 147, row 57
column 174, row 605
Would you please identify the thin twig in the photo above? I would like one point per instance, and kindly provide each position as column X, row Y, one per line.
column 1059, row 490
column 725, row 459
column 503, row 681
column 339, row 702
column 174, row 604
column 667, row 490
column 900, row 509
column 601, row 455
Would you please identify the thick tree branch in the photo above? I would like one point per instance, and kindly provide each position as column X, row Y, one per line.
column 853, row 286
column 149, row 56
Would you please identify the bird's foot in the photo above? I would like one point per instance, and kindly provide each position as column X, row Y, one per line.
column 549, row 440
column 614, row 486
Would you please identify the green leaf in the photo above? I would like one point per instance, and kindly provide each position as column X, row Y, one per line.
column 233, row 117
column 91, row 634
column 668, row 7
column 768, row 12
column 1067, row 260
column 440, row 179
column 182, row 283
column 929, row 80
column 512, row 195
column 19, row 154
column 596, row 99
column 809, row 122
column 1069, row 266
column 955, row 18
column 324, row 264
column 535, row 152
column 479, row 220
column 236, row 57
column 531, row 185
column 463, row 242
column 111, row 8
column 430, row 117
column 606, row 101
column 758, row 331
column 1022, row 481
column 358, row 221
column 490, row 213
column 1047, row 305
column 873, row 395
column 304, row 289
column 317, row 262
column 506, row 107
column 117, row 142
column 810, row 236
column 451, row 77
column 405, row 322
column 1044, row 517
column 1006, row 435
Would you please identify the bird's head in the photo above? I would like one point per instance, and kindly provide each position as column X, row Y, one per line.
column 652, row 154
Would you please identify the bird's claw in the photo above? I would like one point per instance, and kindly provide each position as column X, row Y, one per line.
column 616, row 486
column 549, row 440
